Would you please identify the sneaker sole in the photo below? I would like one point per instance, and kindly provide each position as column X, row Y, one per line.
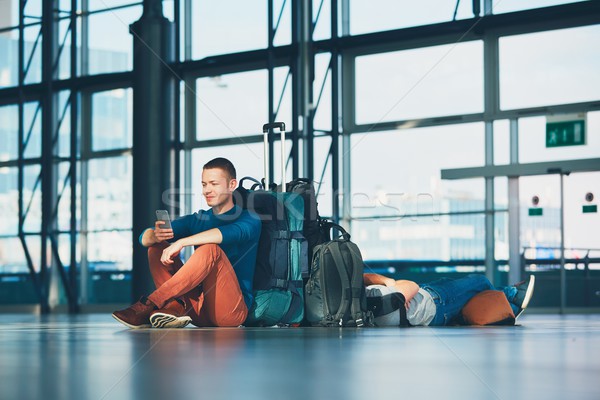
column 528, row 295
column 162, row 320
column 129, row 325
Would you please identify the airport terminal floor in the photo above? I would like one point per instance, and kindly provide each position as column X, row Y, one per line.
column 91, row 356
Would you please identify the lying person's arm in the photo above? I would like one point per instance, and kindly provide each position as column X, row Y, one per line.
column 376, row 279
column 408, row 288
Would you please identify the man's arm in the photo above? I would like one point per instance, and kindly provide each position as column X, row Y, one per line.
column 210, row 236
column 150, row 237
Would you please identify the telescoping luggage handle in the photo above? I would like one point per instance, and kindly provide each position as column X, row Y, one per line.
column 266, row 128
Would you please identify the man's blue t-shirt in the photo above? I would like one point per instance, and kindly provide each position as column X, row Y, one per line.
column 240, row 230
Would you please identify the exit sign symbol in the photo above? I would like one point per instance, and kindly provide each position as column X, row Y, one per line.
column 565, row 130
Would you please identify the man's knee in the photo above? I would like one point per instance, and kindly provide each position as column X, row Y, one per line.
column 209, row 248
column 156, row 251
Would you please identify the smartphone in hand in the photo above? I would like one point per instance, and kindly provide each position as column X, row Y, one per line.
column 163, row 215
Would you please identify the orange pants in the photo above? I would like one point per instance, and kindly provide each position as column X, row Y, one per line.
column 218, row 302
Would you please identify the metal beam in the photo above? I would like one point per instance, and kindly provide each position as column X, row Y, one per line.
column 514, row 23
column 514, row 210
column 335, row 117
column 515, row 170
column 153, row 129
column 48, row 126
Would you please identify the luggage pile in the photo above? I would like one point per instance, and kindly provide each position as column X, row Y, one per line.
column 302, row 276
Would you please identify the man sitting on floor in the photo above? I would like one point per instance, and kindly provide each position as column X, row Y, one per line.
column 440, row 303
column 214, row 286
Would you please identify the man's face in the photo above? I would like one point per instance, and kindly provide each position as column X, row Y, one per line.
column 216, row 187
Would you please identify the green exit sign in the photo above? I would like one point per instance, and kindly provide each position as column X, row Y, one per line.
column 565, row 130
column 536, row 212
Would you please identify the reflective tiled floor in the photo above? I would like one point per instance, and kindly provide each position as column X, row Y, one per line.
column 93, row 357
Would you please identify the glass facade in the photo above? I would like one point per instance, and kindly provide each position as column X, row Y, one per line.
column 377, row 100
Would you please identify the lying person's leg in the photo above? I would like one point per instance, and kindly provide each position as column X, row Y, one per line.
column 519, row 294
column 451, row 295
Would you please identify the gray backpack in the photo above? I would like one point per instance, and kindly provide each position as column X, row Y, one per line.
column 335, row 293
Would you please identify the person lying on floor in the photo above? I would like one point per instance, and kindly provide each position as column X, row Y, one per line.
column 439, row 303
column 214, row 286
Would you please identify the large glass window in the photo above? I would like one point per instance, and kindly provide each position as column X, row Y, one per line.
column 9, row 201
column 95, row 5
column 112, row 122
column 12, row 258
column 216, row 29
column 111, row 50
column 109, row 238
column 546, row 68
column 580, row 225
column 419, row 83
column 322, row 92
column 403, row 196
column 366, row 16
column 32, row 135
column 64, row 124
column 518, row 5
column 323, row 178
column 9, row 13
column 109, row 194
column 64, row 193
column 532, row 141
column 32, row 199
column 32, row 68
column 232, row 105
column 9, row 131
column 9, row 62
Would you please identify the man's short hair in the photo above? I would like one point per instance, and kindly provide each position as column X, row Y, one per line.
column 222, row 163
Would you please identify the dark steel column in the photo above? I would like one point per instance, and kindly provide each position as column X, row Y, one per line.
column 48, row 127
column 335, row 116
column 153, row 129
column 302, row 90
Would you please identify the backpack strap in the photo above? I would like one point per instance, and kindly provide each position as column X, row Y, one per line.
column 284, row 237
column 280, row 260
column 357, row 286
column 338, row 260
column 327, row 225
column 387, row 304
column 297, row 302
column 249, row 178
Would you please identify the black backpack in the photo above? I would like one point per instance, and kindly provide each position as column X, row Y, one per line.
column 335, row 293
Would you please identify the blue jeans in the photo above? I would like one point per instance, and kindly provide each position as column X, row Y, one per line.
column 451, row 295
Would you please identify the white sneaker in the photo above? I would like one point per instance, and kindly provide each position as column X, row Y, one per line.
column 524, row 294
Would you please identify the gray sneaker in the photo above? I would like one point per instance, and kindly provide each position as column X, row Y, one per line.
column 524, row 294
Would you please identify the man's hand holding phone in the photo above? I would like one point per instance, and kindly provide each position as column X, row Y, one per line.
column 162, row 234
column 162, row 227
